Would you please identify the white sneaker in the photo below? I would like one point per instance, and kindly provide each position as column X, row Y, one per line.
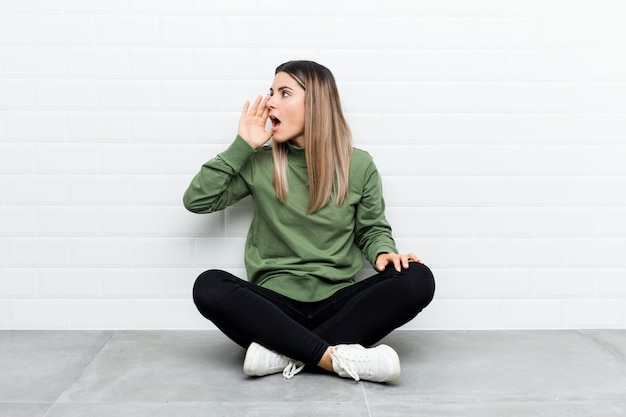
column 378, row 364
column 261, row 361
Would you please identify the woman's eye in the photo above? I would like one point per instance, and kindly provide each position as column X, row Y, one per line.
column 286, row 94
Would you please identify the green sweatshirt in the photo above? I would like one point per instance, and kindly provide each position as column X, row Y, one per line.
column 306, row 257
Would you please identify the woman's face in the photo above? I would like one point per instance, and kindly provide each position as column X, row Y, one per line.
column 286, row 105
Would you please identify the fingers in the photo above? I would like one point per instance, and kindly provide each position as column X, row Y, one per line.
column 389, row 258
column 259, row 107
column 380, row 266
column 406, row 259
column 255, row 106
column 401, row 261
column 412, row 258
column 244, row 111
column 266, row 110
column 381, row 262
column 262, row 109
column 252, row 124
column 398, row 261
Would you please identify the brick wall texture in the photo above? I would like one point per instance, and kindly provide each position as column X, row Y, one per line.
column 499, row 128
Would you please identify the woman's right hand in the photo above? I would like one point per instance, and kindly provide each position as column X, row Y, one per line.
column 252, row 122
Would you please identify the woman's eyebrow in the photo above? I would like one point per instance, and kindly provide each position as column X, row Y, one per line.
column 281, row 88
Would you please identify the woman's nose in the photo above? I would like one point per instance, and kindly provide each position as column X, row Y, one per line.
column 270, row 102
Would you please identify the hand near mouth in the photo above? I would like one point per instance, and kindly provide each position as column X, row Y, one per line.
column 253, row 120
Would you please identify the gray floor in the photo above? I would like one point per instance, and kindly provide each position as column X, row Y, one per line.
column 198, row 373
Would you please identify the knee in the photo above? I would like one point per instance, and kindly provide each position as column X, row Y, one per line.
column 422, row 283
column 207, row 286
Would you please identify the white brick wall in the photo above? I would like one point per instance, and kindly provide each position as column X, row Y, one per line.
column 499, row 128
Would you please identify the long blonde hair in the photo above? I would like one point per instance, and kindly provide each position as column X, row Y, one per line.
column 327, row 138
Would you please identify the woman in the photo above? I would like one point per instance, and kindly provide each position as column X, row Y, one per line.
column 318, row 209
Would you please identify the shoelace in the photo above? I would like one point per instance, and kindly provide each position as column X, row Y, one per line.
column 292, row 369
column 347, row 364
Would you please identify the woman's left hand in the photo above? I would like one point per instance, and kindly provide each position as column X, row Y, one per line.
column 398, row 261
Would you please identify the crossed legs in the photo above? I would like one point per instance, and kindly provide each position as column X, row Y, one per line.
column 362, row 313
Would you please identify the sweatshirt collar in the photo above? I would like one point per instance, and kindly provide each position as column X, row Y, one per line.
column 296, row 155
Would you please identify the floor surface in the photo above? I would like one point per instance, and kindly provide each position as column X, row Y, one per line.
column 198, row 373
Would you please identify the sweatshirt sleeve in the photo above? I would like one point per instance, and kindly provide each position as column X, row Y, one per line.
column 373, row 232
column 219, row 183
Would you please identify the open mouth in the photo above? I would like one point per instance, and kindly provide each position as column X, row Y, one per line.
column 275, row 122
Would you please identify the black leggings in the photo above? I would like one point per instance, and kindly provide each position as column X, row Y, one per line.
column 364, row 312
